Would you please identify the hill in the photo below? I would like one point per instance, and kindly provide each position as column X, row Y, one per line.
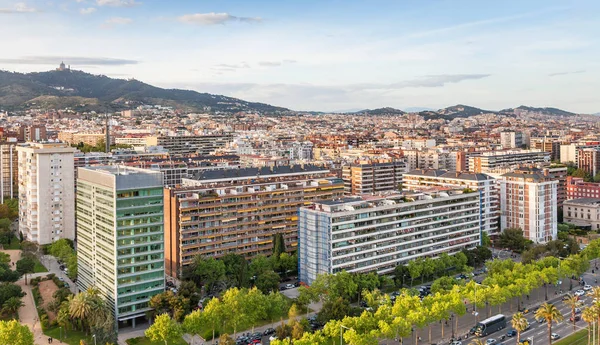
column 381, row 111
column 545, row 111
column 84, row 91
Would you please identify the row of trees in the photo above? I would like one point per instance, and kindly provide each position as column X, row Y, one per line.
column 506, row 281
column 444, row 265
column 9, row 211
column 237, row 309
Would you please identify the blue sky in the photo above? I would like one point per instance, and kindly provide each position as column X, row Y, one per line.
column 324, row 55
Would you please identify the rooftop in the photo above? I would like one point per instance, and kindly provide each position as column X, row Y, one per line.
column 450, row 174
column 262, row 172
column 584, row 201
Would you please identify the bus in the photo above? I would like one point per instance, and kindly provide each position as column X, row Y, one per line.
column 490, row 325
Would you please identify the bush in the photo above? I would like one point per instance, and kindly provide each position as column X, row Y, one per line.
column 208, row 334
column 51, row 276
column 37, row 297
column 35, row 281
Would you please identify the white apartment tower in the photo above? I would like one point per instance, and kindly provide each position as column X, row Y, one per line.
column 46, row 192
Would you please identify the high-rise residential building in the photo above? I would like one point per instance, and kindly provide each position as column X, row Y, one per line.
column 569, row 153
column 420, row 179
column 577, row 188
column 513, row 139
column 9, row 170
column 120, row 237
column 559, row 173
column 588, row 160
column 215, row 213
column 376, row 233
column 46, row 192
column 376, row 176
column 528, row 200
column 490, row 161
column 32, row 133
column 202, row 144
column 547, row 144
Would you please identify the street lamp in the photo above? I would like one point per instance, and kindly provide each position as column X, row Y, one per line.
column 342, row 327
column 94, row 336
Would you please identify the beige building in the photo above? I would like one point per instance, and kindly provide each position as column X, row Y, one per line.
column 9, row 169
column 46, row 192
column 582, row 212
column 528, row 200
column 373, row 177
column 202, row 144
column 91, row 139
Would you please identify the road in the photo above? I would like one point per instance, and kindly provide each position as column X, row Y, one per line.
column 54, row 267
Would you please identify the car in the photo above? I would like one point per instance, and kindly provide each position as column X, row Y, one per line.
column 577, row 310
column 541, row 320
column 456, row 342
column 554, row 336
column 575, row 319
column 528, row 341
column 490, row 341
column 472, row 330
column 67, row 285
column 511, row 333
column 272, row 338
column 579, row 293
column 587, row 287
column 269, row 331
column 289, row 286
column 61, row 279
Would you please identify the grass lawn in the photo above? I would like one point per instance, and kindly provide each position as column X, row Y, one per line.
column 73, row 337
column 38, row 268
column 146, row 341
column 577, row 338
column 14, row 243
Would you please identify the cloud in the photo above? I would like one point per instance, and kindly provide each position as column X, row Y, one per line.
column 566, row 73
column 73, row 60
column 436, row 80
column 19, row 7
column 240, row 65
column 275, row 63
column 118, row 3
column 88, row 10
column 111, row 22
column 213, row 18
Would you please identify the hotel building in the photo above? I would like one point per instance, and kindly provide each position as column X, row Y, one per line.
column 120, row 237
column 378, row 233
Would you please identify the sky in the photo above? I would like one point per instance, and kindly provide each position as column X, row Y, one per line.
column 324, row 55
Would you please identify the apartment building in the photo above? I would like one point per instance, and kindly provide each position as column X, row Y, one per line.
column 239, row 211
column 488, row 162
column 120, row 237
column 559, row 173
column 583, row 212
column 569, row 153
column 368, row 177
column 131, row 140
column 588, row 160
column 528, row 200
column 546, row 144
column 203, row 144
column 9, row 170
column 513, row 139
column 422, row 179
column 378, row 233
column 46, row 192
column 33, row 133
column 88, row 138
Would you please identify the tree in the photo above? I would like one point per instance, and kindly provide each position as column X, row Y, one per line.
column 519, row 323
column 189, row 290
column 485, row 239
column 236, row 270
column 573, row 303
column 12, row 332
column 443, row 284
column 25, row 265
column 268, row 281
column 12, row 305
column 278, row 245
column 194, row 322
column 415, row 269
column 513, row 239
column 225, row 339
column 164, row 329
column 589, row 315
column 213, row 314
column 259, row 265
column 287, row 263
column 306, row 296
column 551, row 314
column 276, row 306
column 400, row 274
column 209, row 271
column 334, row 309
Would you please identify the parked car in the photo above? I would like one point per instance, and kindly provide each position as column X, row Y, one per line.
column 554, row 336
column 472, row 330
column 577, row 318
column 289, row 286
column 579, row 293
column 511, row 333
column 457, row 342
column 490, row 341
column 587, row 287
column 269, row 331
column 577, row 310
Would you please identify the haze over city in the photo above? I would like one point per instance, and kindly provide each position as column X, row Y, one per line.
column 324, row 55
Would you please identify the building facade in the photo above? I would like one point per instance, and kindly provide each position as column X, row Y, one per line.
column 488, row 162
column 577, row 188
column 528, row 200
column 373, row 177
column 513, row 140
column 420, row 179
column 583, row 212
column 203, row 144
column 214, row 215
column 376, row 234
column 588, row 160
column 46, row 192
column 9, row 168
column 120, row 237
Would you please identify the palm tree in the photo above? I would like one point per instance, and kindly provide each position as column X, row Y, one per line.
column 519, row 323
column 80, row 308
column 12, row 305
column 589, row 315
column 573, row 303
column 551, row 314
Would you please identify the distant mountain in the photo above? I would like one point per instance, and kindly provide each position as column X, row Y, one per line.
column 84, row 91
column 542, row 111
column 381, row 111
column 417, row 109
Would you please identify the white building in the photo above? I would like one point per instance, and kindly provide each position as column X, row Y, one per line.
column 528, row 200
column 46, row 192
column 513, row 139
column 490, row 204
column 376, row 234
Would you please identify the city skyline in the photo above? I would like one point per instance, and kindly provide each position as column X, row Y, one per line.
column 323, row 56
